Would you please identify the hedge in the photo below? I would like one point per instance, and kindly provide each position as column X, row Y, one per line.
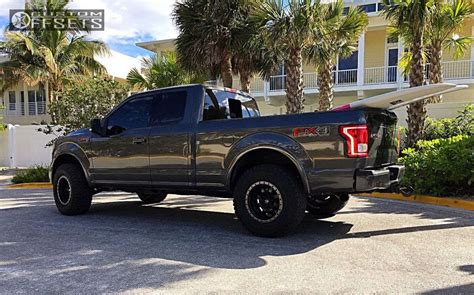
column 443, row 167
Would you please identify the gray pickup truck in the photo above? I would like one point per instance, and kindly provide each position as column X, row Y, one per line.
column 212, row 141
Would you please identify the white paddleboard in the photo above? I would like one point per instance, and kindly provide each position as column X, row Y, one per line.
column 399, row 98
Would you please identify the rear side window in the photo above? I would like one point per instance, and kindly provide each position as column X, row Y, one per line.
column 214, row 111
column 168, row 108
column 131, row 115
column 220, row 104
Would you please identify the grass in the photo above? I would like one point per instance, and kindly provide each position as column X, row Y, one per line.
column 33, row 174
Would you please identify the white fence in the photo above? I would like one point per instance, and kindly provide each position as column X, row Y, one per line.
column 24, row 146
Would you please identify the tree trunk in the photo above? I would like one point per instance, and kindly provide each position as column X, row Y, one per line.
column 436, row 72
column 417, row 110
column 226, row 70
column 325, row 81
column 294, row 82
column 213, row 72
column 245, row 79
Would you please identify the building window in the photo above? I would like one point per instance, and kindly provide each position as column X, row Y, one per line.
column 278, row 82
column 347, row 69
column 11, row 101
column 22, row 103
column 392, row 40
column 369, row 7
column 36, row 102
column 31, row 103
column 40, row 102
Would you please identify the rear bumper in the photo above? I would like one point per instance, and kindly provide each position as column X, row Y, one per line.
column 367, row 180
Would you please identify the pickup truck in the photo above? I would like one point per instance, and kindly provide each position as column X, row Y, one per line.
column 204, row 140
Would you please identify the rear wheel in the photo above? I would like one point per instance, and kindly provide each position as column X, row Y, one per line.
column 72, row 193
column 152, row 198
column 326, row 205
column 269, row 200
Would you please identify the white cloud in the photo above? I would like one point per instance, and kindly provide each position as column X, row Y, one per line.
column 138, row 20
column 125, row 21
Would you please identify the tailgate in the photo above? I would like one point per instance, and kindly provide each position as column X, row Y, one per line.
column 383, row 138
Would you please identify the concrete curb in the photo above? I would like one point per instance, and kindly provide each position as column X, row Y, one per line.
column 439, row 201
column 31, row 185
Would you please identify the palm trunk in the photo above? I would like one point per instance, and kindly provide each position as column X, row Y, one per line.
column 436, row 72
column 245, row 78
column 294, row 82
column 325, row 81
column 417, row 110
column 226, row 70
column 213, row 72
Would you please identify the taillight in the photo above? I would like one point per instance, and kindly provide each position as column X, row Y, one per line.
column 357, row 138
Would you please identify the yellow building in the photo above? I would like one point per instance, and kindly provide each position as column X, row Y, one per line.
column 26, row 104
column 371, row 70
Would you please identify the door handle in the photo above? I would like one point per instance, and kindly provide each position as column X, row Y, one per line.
column 139, row 140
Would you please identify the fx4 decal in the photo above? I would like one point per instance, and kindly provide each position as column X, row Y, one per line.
column 311, row 131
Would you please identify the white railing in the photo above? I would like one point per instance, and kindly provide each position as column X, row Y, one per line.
column 452, row 70
column 459, row 69
column 345, row 77
column 18, row 109
column 257, row 85
column 15, row 109
column 36, row 108
column 278, row 83
column 380, row 75
column 310, row 80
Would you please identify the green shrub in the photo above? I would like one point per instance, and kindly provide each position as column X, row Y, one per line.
column 34, row 174
column 463, row 124
column 441, row 166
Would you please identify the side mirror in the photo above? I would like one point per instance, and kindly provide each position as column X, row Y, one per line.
column 96, row 127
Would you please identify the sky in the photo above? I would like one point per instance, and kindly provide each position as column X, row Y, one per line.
column 126, row 21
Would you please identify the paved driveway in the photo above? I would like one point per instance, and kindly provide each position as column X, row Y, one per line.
column 195, row 244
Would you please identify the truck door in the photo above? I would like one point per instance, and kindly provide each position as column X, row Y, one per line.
column 122, row 155
column 170, row 147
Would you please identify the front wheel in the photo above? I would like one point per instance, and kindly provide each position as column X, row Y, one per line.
column 326, row 205
column 72, row 194
column 269, row 200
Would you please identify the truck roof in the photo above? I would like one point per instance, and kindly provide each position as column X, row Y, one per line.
column 194, row 85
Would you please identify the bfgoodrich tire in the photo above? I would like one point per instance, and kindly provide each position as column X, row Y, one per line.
column 72, row 194
column 269, row 200
column 151, row 198
column 327, row 205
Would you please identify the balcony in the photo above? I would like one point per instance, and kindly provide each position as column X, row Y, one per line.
column 347, row 80
column 18, row 109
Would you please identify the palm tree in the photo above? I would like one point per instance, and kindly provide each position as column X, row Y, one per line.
column 159, row 71
column 251, row 56
column 54, row 58
column 446, row 18
column 288, row 28
column 206, row 39
column 336, row 36
column 412, row 17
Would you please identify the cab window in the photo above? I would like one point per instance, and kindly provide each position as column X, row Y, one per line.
column 133, row 114
column 168, row 108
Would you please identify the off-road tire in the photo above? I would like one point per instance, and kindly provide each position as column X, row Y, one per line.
column 80, row 194
column 290, row 192
column 328, row 208
column 152, row 198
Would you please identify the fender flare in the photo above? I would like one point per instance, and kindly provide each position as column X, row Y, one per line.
column 283, row 144
column 73, row 150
